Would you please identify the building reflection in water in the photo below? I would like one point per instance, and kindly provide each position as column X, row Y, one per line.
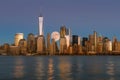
column 39, row 69
column 94, row 68
column 19, row 68
column 110, row 69
column 88, row 70
column 50, row 69
column 65, row 69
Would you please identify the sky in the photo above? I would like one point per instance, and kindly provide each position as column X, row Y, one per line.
column 81, row 16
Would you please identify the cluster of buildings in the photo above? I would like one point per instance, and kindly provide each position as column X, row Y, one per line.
column 61, row 43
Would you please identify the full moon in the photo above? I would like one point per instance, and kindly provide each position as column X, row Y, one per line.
column 55, row 35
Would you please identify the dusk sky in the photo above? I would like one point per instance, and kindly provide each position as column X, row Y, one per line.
column 82, row 16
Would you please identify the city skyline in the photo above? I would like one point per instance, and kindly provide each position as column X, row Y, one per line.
column 81, row 16
column 60, row 43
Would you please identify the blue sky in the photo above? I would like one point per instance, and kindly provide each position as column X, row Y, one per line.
column 82, row 16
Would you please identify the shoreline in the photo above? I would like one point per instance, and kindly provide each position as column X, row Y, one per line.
column 65, row 55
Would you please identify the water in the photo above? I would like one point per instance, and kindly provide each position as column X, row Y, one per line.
column 60, row 68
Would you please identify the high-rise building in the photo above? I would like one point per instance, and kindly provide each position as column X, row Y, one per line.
column 62, row 31
column 100, row 48
column 115, row 45
column 18, row 37
column 99, row 44
column 75, row 44
column 90, row 44
column 23, row 46
column 100, row 39
column 40, row 44
column 67, row 31
column 48, row 43
column 75, row 39
column 67, row 40
column 91, row 39
column 109, row 46
column 68, row 37
column 84, row 40
column 53, row 47
column 95, row 40
column 79, row 41
column 70, row 49
column 63, row 45
column 31, row 43
column 105, row 44
column 41, row 25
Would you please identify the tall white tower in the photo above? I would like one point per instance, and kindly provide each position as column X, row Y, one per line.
column 41, row 25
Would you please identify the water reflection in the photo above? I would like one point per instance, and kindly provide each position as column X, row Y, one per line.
column 65, row 69
column 110, row 69
column 60, row 68
column 50, row 69
column 18, row 68
column 39, row 69
column 92, row 69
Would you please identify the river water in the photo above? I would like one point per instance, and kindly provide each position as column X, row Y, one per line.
column 59, row 67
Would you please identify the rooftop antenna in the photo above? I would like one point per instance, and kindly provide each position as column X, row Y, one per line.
column 41, row 12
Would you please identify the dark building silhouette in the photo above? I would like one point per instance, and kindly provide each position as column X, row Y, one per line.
column 84, row 40
column 75, row 39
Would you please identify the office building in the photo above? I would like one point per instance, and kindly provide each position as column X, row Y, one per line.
column 14, row 50
column 109, row 46
column 84, row 40
column 53, row 47
column 62, row 31
column 18, row 37
column 67, row 40
column 40, row 25
column 105, row 44
column 95, row 40
column 40, row 44
column 48, row 43
column 75, row 40
column 23, row 47
column 31, row 43
column 63, row 45
column 68, row 37
column 79, row 41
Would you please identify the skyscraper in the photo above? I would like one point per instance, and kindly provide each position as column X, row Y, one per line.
column 67, row 36
column 63, row 45
column 79, row 40
column 75, row 39
column 53, row 47
column 62, row 31
column 84, row 40
column 18, row 37
column 48, row 43
column 95, row 40
column 31, row 43
column 41, row 25
column 40, row 44
column 23, row 46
